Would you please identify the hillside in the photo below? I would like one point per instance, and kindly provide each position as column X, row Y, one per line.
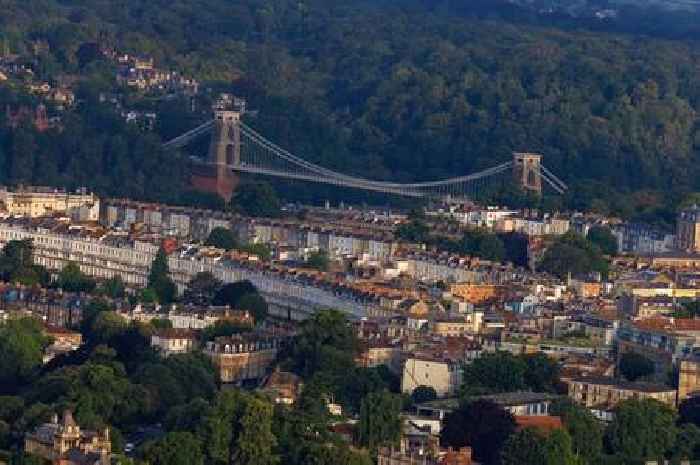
column 406, row 93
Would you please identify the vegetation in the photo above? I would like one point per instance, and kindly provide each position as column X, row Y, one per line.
column 585, row 430
column 641, row 430
column 318, row 260
column 482, row 425
column 159, row 278
column 222, row 238
column 17, row 264
column 530, row 447
column 505, row 372
column 603, row 237
column 380, row 424
column 71, row 279
column 573, row 254
column 634, row 366
column 614, row 116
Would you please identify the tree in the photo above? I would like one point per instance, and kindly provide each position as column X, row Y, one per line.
column 202, row 289
column 413, row 231
column 222, row 238
column 254, row 442
column 17, row 264
column 257, row 199
column 113, row 287
column 260, row 250
column 72, row 279
column 161, row 323
column 585, row 430
column 238, row 429
column 491, row 248
column 325, row 342
column 380, row 422
column 542, row 373
column 318, row 260
column 423, row 394
column 22, row 344
column 572, row 253
column 687, row 445
column 634, row 366
column 532, row 447
column 159, row 278
column 689, row 411
column 482, row 425
column 231, row 293
column 525, row 447
column 603, row 237
column 641, row 430
column 255, row 304
column 558, row 449
column 178, row 448
column 223, row 328
column 497, row 372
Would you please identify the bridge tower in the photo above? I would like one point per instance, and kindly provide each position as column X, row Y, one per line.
column 526, row 171
column 217, row 175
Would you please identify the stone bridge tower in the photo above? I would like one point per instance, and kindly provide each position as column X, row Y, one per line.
column 526, row 171
column 217, row 176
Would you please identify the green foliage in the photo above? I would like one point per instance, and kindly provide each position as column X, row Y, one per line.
column 688, row 310
column 257, row 199
column 202, row 289
column 482, row 425
column 222, row 238
column 17, row 265
column 687, row 445
column 530, row 447
column 573, row 254
column 232, row 294
column 483, row 244
column 542, row 373
column 641, row 430
column 325, row 343
column 585, row 430
column 255, row 304
column 113, row 287
column 524, row 448
column 380, row 424
column 222, row 328
column 159, row 278
column 505, row 372
column 22, row 344
column 71, row 279
column 603, row 237
column 414, row 231
column 261, row 250
column 178, row 448
column 161, row 323
column 634, row 366
column 238, row 429
column 318, row 260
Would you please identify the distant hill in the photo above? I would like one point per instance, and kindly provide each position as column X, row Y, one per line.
column 417, row 90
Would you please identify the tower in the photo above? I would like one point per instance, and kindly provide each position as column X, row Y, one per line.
column 217, row 175
column 526, row 171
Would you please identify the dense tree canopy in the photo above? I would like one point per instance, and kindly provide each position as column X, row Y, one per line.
column 574, row 254
column 427, row 95
column 641, row 430
column 634, row 366
column 482, row 425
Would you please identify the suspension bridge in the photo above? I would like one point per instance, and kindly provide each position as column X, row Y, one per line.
column 237, row 148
